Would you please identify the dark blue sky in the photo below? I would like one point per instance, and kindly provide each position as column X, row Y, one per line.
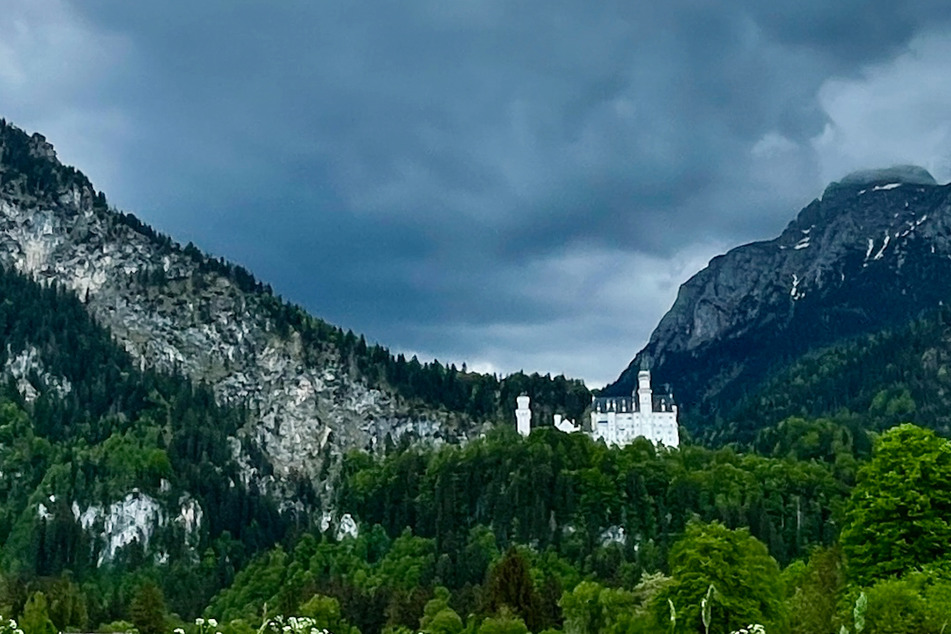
column 510, row 184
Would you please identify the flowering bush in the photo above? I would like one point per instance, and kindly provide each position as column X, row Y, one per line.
column 203, row 626
column 754, row 628
column 292, row 625
column 9, row 626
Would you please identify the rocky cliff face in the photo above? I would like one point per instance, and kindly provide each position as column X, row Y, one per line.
column 873, row 251
column 173, row 308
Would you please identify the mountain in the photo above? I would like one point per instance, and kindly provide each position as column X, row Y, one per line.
column 175, row 309
column 873, row 252
column 164, row 414
column 313, row 390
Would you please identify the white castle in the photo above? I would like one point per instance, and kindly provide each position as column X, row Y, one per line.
column 620, row 419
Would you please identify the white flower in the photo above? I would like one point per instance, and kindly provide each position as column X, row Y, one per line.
column 178, row 630
column 213, row 622
column 199, row 621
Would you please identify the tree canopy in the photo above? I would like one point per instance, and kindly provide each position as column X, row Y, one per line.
column 746, row 583
column 899, row 514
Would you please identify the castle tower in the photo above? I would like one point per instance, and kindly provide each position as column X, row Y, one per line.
column 644, row 399
column 523, row 415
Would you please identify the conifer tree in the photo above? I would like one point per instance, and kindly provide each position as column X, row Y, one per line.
column 147, row 610
column 36, row 618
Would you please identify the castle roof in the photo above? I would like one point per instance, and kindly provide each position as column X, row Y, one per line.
column 626, row 404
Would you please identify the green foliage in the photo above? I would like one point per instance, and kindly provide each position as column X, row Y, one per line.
column 871, row 382
column 117, row 626
column 438, row 617
column 421, row 527
column 563, row 491
column 815, row 592
column 326, row 615
column 147, row 610
column 117, row 429
column 918, row 602
column 747, row 580
column 590, row 608
column 510, row 586
column 899, row 514
column 36, row 618
column 410, row 562
column 504, row 623
column 67, row 604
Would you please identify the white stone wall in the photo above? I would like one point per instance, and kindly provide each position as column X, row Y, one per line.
column 619, row 425
column 621, row 428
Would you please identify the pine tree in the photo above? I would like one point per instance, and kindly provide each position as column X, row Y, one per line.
column 510, row 584
column 147, row 610
column 36, row 618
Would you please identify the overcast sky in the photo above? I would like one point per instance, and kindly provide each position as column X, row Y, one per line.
column 519, row 184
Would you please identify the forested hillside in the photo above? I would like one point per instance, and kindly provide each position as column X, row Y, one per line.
column 176, row 440
column 555, row 533
column 103, row 463
column 871, row 382
column 115, row 468
column 873, row 252
column 29, row 171
column 570, row 509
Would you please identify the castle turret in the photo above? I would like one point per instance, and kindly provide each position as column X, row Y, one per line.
column 644, row 398
column 523, row 415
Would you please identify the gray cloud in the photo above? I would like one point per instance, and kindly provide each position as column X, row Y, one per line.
column 510, row 184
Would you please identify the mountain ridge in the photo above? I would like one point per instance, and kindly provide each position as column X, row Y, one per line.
column 314, row 390
column 872, row 252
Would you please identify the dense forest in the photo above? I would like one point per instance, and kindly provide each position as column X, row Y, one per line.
column 558, row 533
column 638, row 540
column 871, row 382
column 791, row 528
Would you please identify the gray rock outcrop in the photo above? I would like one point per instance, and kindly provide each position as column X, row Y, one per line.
column 172, row 311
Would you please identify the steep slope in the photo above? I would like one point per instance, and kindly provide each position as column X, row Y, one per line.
column 107, row 470
column 172, row 308
column 313, row 390
column 874, row 251
column 880, row 380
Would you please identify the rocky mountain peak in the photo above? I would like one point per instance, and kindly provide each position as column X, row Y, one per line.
column 873, row 251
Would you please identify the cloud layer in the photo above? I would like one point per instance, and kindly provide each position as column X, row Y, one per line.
column 515, row 185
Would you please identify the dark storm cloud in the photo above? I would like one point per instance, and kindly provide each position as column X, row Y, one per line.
column 522, row 184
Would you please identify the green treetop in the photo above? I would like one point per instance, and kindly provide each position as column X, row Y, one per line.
column 747, row 583
column 899, row 515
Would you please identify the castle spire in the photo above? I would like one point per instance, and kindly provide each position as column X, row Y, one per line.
column 523, row 415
